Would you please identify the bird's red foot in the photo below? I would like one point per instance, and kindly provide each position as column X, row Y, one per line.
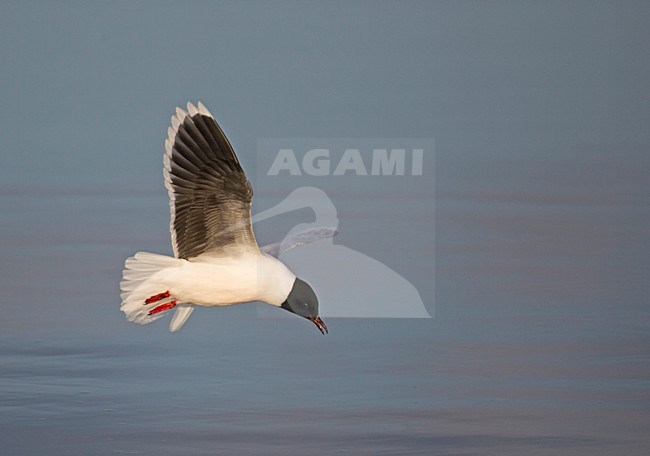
column 157, row 297
column 163, row 307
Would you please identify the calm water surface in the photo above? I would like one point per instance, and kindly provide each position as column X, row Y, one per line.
column 530, row 350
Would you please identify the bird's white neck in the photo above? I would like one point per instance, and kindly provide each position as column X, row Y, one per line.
column 275, row 280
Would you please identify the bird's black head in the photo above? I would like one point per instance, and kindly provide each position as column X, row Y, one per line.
column 303, row 302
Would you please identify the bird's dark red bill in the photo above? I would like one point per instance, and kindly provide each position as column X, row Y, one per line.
column 320, row 324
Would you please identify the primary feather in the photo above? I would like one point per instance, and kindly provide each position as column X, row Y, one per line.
column 209, row 194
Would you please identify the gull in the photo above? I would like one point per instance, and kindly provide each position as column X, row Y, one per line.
column 217, row 261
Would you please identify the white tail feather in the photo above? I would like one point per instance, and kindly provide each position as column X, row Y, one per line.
column 143, row 277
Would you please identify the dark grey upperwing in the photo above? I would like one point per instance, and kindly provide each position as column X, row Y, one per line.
column 209, row 195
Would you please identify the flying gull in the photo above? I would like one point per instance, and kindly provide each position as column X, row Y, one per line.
column 217, row 261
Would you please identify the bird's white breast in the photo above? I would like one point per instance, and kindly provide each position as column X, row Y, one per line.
column 221, row 281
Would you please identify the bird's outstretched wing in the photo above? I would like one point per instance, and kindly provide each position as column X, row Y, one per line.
column 305, row 237
column 209, row 194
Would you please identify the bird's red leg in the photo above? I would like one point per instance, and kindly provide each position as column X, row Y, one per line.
column 163, row 307
column 157, row 297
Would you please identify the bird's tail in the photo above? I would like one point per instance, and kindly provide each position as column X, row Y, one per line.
column 145, row 291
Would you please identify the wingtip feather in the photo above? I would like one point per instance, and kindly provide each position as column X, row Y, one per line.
column 203, row 110
column 192, row 109
column 181, row 115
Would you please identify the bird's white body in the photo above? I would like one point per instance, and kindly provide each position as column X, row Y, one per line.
column 207, row 280
column 222, row 281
